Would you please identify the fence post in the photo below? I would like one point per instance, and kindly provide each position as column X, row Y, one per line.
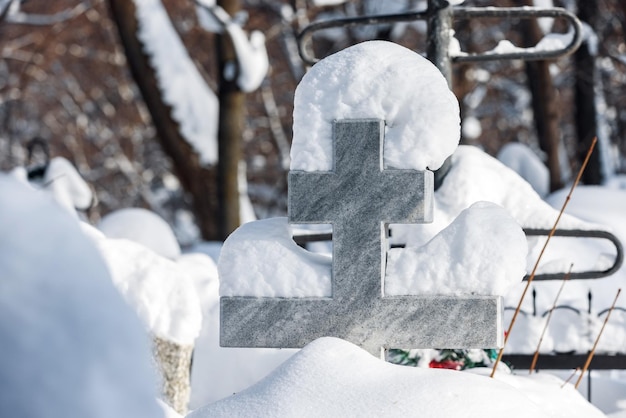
column 439, row 34
column 437, row 51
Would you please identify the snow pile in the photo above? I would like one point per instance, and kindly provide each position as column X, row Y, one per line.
column 218, row 372
column 524, row 338
column 504, row 47
column 475, row 176
column 63, row 181
column 379, row 80
column 70, row 345
column 546, row 391
column 168, row 410
column 331, row 377
column 261, row 259
column 158, row 289
column 194, row 105
column 549, row 43
column 67, row 185
column 569, row 331
column 143, row 227
column 615, row 339
column 521, row 159
column 482, row 252
column 595, row 204
column 554, row 42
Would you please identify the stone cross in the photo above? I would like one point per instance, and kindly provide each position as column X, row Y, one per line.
column 360, row 199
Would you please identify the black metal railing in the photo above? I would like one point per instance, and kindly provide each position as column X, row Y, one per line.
column 439, row 39
column 303, row 239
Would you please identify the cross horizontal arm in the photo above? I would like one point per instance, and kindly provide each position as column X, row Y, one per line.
column 390, row 322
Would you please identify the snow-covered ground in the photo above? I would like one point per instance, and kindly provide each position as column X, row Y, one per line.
column 72, row 344
column 565, row 333
column 34, row 223
column 331, row 378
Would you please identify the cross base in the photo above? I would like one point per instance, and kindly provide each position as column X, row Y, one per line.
column 389, row 322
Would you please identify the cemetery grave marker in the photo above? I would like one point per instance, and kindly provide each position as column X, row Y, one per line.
column 360, row 199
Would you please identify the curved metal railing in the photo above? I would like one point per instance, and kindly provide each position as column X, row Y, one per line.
column 459, row 13
column 573, row 233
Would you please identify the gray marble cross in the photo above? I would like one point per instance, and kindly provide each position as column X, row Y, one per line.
column 360, row 199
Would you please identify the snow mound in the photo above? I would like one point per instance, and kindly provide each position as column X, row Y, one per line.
column 546, row 391
column 143, row 227
column 63, row 181
column 482, row 252
column 67, row 185
column 331, row 377
column 521, row 159
column 218, row 372
column 525, row 337
column 70, row 345
column 475, row 176
column 261, row 259
column 160, row 291
column 595, row 204
column 168, row 410
column 381, row 80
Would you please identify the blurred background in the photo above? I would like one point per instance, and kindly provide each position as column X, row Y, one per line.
column 103, row 84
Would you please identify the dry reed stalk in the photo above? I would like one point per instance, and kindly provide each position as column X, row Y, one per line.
column 534, row 271
column 545, row 327
column 595, row 344
column 570, row 377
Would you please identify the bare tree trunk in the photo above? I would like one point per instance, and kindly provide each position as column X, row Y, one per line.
column 544, row 102
column 230, row 133
column 198, row 180
column 586, row 117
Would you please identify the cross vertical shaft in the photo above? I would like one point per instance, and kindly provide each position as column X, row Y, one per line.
column 359, row 198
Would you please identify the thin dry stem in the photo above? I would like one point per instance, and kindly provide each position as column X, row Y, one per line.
column 595, row 344
column 534, row 271
column 570, row 377
column 545, row 327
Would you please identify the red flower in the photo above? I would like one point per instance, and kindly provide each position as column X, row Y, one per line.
column 445, row 364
